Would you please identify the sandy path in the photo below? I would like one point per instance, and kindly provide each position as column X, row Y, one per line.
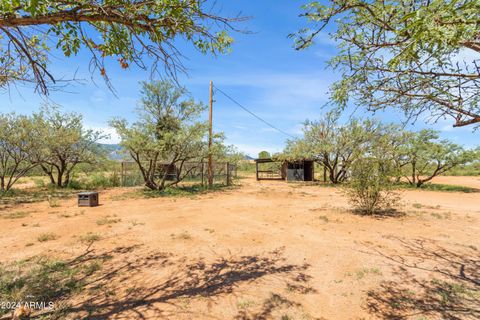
column 266, row 250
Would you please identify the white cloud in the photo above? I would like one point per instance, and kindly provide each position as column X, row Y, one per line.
column 112, row 136
column 254, row 150
column 287, row 96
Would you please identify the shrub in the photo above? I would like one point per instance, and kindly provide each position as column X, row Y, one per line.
column 53, row 202
column 39, row 182
column 370, row 187
column 101, row 180
column 75, row 185
column 96, row 181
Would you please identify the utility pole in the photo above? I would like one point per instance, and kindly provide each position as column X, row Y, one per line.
column 210, row 139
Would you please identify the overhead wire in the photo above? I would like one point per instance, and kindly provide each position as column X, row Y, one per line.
column 253, row 114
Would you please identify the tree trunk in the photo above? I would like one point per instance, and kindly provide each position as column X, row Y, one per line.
column 66, row 182
column 414, row 172
column 150, row 185
column 52, row 179
column 60, row 179
column 49, row 174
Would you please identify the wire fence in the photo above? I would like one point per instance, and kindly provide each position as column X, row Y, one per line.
column 192, row 172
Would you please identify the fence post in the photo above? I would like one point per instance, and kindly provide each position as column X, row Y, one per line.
column 228, row 174
column 203, row 168
column 123, row 178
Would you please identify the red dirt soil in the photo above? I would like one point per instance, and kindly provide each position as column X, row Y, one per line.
column 264, row 250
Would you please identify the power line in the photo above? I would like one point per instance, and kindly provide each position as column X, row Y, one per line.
column 253, row 114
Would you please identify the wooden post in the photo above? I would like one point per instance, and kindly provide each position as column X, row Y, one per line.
column 203, row 170
column 123, row 177
column 227, row 167
column 210, row 139
column 256, row 169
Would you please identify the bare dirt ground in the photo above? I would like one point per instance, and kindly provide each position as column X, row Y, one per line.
column 472, row 182
column 264, row 250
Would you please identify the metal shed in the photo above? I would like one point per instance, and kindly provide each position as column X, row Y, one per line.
column 298, row 170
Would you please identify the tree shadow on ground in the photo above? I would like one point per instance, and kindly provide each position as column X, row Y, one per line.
column 431, row 281
column 381, row 214
column 136, row 285
column 274, row 302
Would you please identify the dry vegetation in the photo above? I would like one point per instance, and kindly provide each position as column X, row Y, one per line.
column 263, row 250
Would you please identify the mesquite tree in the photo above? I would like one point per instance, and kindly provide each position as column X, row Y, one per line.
column 65, row 143
column 414, row 55
column 19, row 143
column 166, row 136
column 333, row 145
column 426, row 156
column 130, row 31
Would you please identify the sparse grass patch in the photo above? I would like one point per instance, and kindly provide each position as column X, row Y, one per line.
column 185, row 191
column 181, row 236
column 89, row 238
column 363, row 272
column 53, row 202
column 450, row 292
column 438, row 187
column 446, row 215
column 209, row 230
column 15, row 215
column 184, row 302
column 43, row 279
column 44, row 237
column 245, row 304
column 136, row 223
column 417, row 205
column 180, row 191
column 324, row 219
column 108, row 221
column 276, row 300
column 39, row 182
column 32, row 195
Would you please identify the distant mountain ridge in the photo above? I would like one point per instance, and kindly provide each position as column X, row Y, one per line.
column 115, row 151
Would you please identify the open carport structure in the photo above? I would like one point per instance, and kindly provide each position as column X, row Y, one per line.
column 296, row 170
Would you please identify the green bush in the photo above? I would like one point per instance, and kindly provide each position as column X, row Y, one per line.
column 370, row 188
column 96, row 181
column 76, row 185
column 39, row 182
column 472, row 169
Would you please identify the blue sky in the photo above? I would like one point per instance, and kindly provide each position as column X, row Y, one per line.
column 263, row 72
